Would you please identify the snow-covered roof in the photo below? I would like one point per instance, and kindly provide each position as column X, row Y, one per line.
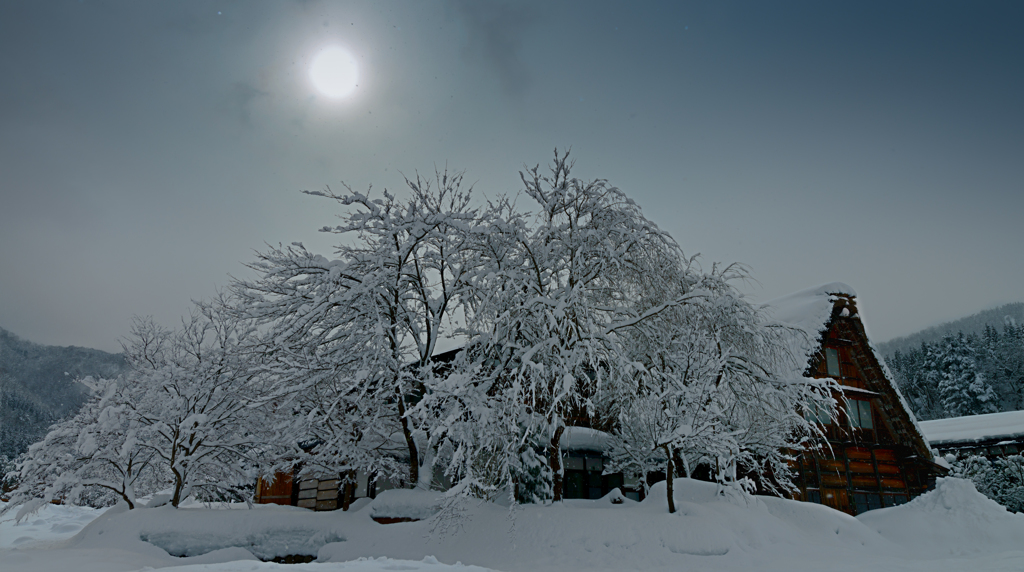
column 974, row 428
column 584, row 439
column 808, row 311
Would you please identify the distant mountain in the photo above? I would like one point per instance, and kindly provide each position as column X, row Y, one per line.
column 973, row 324
column 38, row 387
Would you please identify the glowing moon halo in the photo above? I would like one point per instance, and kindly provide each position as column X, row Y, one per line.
column 334, row 72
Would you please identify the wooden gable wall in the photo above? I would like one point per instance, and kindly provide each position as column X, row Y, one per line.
column 883, row 462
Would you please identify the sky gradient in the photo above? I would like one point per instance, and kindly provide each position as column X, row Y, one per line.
column 148, row 148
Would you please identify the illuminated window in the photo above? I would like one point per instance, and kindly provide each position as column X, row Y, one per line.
column 832, row 361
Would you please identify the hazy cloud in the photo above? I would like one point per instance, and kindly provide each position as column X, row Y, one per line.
column 240, row 99
column 496, row 31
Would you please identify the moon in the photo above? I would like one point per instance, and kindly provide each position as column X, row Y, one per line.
column 334, row 72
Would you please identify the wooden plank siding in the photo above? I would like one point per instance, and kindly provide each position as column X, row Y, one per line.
column 328, row 492
column 280, row 490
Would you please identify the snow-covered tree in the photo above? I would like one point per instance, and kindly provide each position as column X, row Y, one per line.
column 963, row 389
column 562, row 285
column 95, row 457
column 916, row 373
column 938, row 372
column 194, row 393
column 708, row 390
column 590, row 315
column 350, row 339
column 186, row 415
column 1004, row 364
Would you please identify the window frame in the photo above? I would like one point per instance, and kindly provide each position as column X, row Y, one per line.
column 832, row 364
column 856, row 412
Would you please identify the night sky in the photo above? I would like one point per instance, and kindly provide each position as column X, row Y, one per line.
column 148, row 148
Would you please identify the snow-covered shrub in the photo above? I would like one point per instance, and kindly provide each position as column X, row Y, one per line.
column 1001, row 479
column 8, row 475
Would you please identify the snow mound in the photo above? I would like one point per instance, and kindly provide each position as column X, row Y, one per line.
column 51, row 524
column 428, row 564
column 712, row 529
column 405, row 503
column 954, row 519
column 265, row 532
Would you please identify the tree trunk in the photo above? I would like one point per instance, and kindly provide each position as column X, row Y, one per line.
column 178, row 486
column 348, row 489
column 414, row 458
column 124, row 496
column 680, row 466
column 670, row 476
column 179, row 483
column 555, row 461
column 426, row 471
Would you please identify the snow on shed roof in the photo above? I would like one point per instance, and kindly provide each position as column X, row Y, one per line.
column 974, row 428
column 585, row 439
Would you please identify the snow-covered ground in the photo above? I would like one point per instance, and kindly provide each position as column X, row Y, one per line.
column 951, row 528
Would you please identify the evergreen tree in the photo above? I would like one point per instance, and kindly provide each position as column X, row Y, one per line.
column 913, row 374
column 963, row 389
column 1010, row 366
column 998, row 362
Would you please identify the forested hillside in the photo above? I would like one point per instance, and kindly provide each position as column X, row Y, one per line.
column 964, row 373
column 973, row 324
column 38, row 387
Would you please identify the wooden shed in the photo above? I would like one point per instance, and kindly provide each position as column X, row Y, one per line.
column 875, row 453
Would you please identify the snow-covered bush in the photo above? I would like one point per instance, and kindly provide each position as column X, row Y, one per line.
column 1001, row 479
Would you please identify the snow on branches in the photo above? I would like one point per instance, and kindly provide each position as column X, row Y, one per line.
column 186, row 416
column 350, row 340
column 580, row 312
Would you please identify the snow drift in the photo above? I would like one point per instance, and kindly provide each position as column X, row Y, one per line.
column 954, row 519
column 951, row 528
